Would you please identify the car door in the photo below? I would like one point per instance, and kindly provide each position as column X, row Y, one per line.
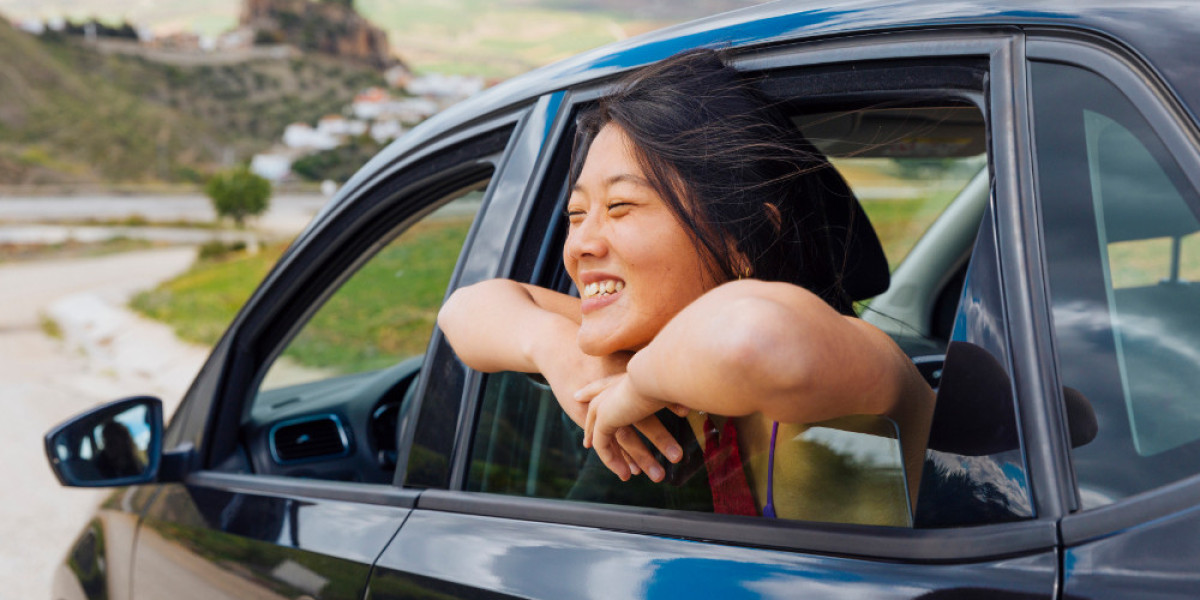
column 503, row 512
column 291, row 426
column 1117, row 193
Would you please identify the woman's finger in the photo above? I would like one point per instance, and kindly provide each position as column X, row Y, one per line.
column 641, row 455
column 662, row 439
column 610, row 454
column 589, row 423
column 593, row 389
column 633, row 466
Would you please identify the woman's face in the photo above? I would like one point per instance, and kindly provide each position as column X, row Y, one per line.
column 633, row 262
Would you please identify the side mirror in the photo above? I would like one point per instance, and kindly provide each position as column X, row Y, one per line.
column 116, row 444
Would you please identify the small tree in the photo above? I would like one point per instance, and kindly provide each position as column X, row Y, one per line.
column 238, row 193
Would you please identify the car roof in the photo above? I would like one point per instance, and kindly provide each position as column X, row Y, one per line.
column 1161, row 32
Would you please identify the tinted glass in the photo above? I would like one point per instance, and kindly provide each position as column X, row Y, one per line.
column 386, row 311
column 848, row 470
column 1120, row 246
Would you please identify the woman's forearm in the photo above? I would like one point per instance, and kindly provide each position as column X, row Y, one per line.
column 498, row 325
column 502, row 325
column 774, row 348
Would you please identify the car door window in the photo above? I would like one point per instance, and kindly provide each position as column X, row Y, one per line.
column 1123, row 256
column 328, row 406
column 386, row 311
column 906, row 164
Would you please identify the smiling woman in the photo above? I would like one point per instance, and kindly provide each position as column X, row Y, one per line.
column 635, row 265
column 690, row 180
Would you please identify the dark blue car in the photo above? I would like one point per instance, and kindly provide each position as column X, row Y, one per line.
column 1030, row 170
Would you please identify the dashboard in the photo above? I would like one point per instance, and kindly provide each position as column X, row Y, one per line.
column 342, row 428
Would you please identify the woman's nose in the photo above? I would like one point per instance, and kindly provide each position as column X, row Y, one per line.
column 586, row 239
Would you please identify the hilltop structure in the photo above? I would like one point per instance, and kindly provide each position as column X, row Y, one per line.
column 329, row 27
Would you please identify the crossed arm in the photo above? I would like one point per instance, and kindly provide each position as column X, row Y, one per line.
column 502, row 325
column 775, row 348
column 743, row 347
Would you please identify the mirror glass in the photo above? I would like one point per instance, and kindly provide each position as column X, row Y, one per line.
column 106, row 446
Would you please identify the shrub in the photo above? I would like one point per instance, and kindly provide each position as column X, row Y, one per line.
column 238, row 194
column 216, row 249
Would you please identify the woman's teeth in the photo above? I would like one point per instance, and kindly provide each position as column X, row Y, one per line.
column 603, row 288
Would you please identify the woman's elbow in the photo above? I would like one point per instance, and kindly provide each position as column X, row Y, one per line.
column 761, row 342
column 460, row 319
column 454, row 312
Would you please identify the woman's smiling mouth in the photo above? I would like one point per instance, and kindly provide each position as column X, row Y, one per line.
column 602, row 288
column 600, row 293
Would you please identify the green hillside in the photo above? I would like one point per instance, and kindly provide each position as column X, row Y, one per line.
column 69, row 114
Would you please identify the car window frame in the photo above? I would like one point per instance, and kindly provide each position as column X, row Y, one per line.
column 1002, row 48
column 312, row 270
column 1179, row 133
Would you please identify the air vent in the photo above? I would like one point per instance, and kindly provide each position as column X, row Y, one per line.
column 308, row 438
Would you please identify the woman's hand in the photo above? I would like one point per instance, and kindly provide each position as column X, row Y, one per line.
column 502, row 325
column 613, row 406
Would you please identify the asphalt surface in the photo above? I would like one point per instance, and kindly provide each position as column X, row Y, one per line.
column 287, row 212
column 102, row 352
column 105, row 352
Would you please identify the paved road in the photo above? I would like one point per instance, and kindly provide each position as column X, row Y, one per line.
column 288, row 213
column 107, row 353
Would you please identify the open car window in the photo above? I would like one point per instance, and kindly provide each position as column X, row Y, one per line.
column 909, row 160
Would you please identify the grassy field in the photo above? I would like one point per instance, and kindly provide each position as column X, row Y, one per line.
column 385, row 312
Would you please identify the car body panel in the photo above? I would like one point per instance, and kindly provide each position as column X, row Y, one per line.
column 1151, row 560
column 200, row 541
column 461, row 556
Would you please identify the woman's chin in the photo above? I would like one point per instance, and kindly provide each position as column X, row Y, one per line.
column 596, row 343
column 593, row 347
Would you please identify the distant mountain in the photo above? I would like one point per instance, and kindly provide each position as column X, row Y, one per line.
column 71, row 113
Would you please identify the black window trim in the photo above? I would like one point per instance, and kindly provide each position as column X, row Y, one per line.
column 510, row 200
column 1180, row 135
column 294, row 487
column 1001, row 48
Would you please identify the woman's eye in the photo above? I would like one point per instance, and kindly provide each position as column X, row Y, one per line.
column 575, row 216
column 617, row 209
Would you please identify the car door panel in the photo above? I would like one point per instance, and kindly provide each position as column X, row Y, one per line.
column 210, row 539
column 462, row 555
column 1156, row 559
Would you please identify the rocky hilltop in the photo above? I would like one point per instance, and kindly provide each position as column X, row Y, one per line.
column 329, row 27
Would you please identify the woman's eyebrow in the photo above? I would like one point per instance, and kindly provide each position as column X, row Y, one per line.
column 628, row 178
column 615, row 179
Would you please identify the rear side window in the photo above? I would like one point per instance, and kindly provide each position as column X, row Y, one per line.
column 1123, row 257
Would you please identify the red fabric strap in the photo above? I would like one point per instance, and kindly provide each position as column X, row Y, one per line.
column 726, row 475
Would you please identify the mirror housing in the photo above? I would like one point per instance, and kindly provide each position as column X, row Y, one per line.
column 112, row 445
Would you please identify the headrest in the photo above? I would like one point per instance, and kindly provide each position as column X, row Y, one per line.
column 865, row 272
column 853, row 244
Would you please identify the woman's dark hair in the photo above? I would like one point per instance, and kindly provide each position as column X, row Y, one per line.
column 732, row 167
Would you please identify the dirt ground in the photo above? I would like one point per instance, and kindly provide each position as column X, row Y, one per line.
column 102, row 352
